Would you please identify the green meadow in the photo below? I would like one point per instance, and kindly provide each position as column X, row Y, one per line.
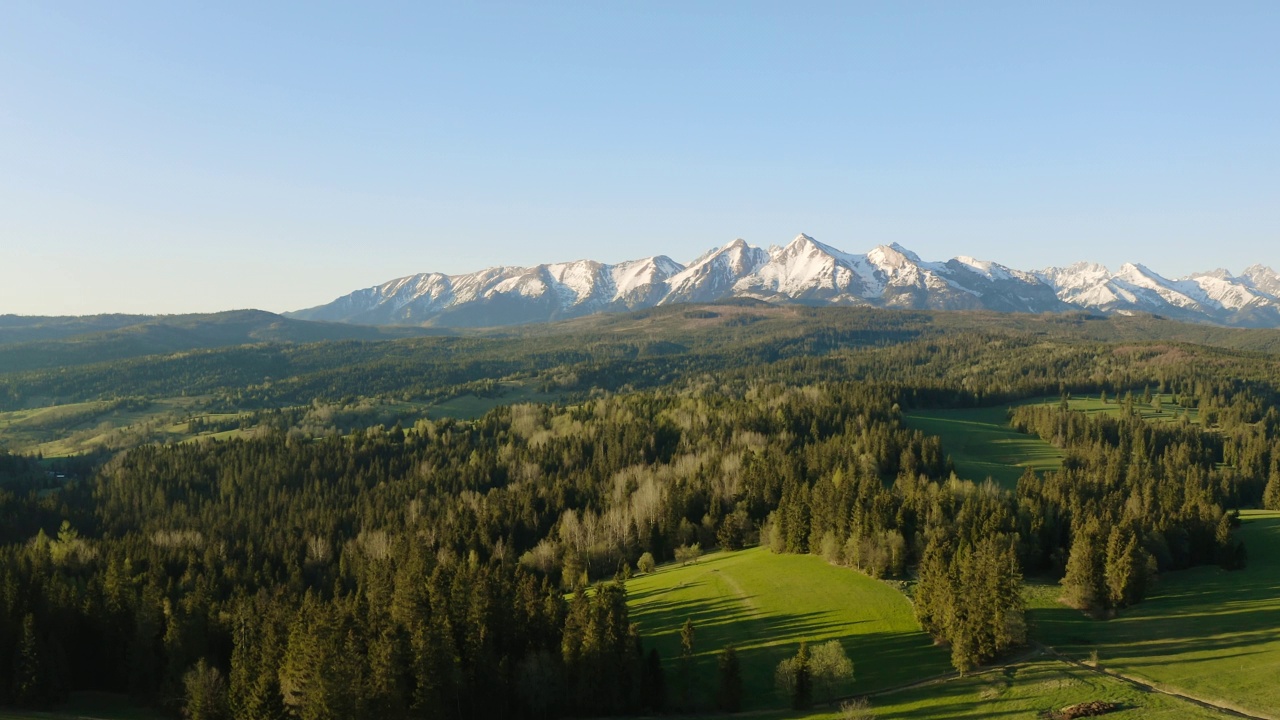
column 1162, row 408
column 981, row 444
column 765, row 605
column 469, row 407
column 1210, row 633
column 1023, row 690
column 72, row 429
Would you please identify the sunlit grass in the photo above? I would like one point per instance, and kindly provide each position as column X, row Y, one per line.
column 1212, row 633
column 765, row 605
column 982, row 445
column 1023, row 690
column 468, row 407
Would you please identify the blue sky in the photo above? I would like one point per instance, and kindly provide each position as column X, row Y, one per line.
column 174, row 157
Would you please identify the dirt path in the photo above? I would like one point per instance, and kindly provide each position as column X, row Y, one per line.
column 1146, row 687
column 737, row 590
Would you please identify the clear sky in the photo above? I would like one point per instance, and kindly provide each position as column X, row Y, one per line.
column 180, row 156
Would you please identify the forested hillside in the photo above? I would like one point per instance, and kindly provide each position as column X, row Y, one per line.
column 476, row 567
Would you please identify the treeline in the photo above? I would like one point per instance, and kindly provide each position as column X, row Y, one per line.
column 937, row 359
column 1133, row 497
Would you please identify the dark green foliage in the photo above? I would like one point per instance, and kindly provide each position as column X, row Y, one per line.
column 729, row 682
column 970, row 595
column 802, row 687
column 416, row 571
column 686, row 663
column 653, row 683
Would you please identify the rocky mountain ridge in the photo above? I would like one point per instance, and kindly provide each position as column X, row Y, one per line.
column 809, row 272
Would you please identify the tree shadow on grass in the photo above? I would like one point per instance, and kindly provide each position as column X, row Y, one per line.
column 1197, row 623
column 881, row 659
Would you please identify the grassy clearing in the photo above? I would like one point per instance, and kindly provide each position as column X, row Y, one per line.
column 765, row 605
column 1210, row 633
column 982, row 445
column 1024, row 690
column 1162, row 408
column 469, row 407
column 65, row 430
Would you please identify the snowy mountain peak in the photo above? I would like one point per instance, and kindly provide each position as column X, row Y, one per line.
column 904, row 252
column 804, row 271
column 992, row 270
column 1218, row 274
column 804, row 244
column 1135, row 270
column 892, row 256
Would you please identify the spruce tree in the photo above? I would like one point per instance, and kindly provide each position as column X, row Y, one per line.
column 1083, row 583
column 29, row 684
column 653, row 683
column 686, row 663
column 729, row 689
column 802, row 691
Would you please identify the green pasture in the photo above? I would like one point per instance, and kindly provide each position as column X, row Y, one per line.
column 1162, row 407
column 765, row 605
column 1210, row 633
column 1024, row 690
column 982, row 445
column 469, row 407
column 72, row 429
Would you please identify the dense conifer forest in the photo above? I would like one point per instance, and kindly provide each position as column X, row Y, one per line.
column 477, row 567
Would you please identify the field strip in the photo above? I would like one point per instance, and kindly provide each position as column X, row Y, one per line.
column 743, row 597
column 1147, row 687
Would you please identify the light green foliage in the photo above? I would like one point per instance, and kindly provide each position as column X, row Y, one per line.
column 765, row 605
column 831, row 668
column 206, row 693
column 686, row 554
column 646, row 564
column 1159, row 408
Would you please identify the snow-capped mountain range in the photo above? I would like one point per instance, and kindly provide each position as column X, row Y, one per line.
column 809, row 272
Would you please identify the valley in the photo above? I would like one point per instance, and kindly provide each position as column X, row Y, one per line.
column 251, row 514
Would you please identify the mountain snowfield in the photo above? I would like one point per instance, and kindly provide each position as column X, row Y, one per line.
column 808, row 272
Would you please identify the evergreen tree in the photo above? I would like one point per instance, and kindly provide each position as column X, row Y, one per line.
column 1083, row 584
column 729, row 688
column 802, row 691
column 1271, row 495
column 30, row 677
column 686, row 663
column 653, row 683
column 205, row 692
